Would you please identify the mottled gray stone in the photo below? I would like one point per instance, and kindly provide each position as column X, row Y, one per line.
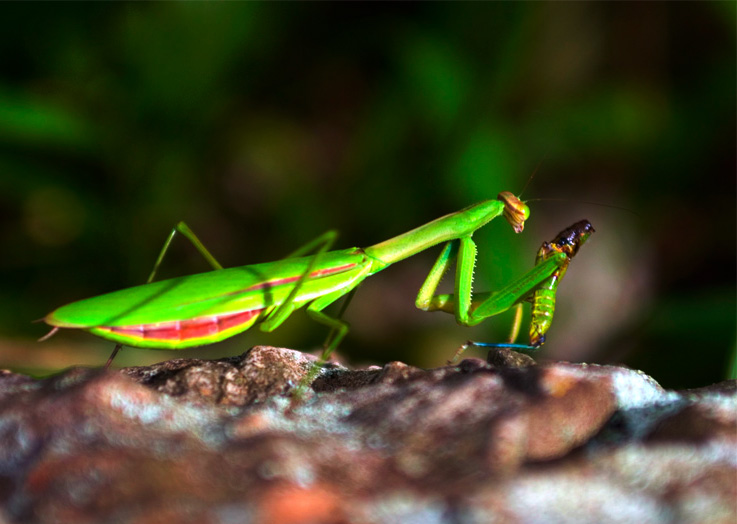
column 222, row 441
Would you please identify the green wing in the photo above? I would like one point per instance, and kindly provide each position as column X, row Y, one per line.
column 219, row 292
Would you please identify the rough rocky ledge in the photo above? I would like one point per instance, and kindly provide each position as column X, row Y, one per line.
column 219, row 442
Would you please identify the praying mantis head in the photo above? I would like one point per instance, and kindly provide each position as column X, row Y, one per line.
column 515, row 211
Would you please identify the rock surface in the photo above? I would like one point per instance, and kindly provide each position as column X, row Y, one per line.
column 221, row 442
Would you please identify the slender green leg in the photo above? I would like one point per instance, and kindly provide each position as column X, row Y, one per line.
column 427, row 300
column 183, row 229
column 338, row 327
column 471, row 311
column 539, row 284
column 326, row 240
column 282, row 312
column 485, row 305
column 340, row 314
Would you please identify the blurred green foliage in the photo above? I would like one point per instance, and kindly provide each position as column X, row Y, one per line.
column 264, row 124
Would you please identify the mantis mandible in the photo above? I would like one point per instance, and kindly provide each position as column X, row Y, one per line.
column 208, row 307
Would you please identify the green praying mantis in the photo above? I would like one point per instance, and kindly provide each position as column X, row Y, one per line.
column 208, row 307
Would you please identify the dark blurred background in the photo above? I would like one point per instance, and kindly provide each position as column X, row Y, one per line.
column 264, row 125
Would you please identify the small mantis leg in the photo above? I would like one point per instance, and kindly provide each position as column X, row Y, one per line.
column 339, row 327
column 329, row 236
column 324, row 242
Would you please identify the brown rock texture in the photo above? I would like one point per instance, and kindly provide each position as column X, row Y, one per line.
column 222, row 442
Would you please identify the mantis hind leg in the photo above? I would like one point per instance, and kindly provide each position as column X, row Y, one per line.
column 183, row 229
column 110, row 359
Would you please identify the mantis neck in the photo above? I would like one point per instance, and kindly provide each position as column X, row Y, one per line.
column 450, row 227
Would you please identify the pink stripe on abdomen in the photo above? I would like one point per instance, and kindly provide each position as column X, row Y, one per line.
column 289, row 280
column 191, row 329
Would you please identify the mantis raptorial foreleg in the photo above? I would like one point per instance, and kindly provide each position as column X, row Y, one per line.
column 538, row 285
column 463, row 252
column 469, row 310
